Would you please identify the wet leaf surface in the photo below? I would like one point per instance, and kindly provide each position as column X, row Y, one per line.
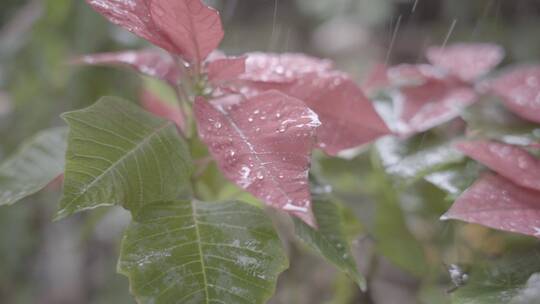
column 119, row 154
column 263, row 144
column 196, row 252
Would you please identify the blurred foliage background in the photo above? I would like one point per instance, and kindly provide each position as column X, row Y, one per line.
column 400, row 244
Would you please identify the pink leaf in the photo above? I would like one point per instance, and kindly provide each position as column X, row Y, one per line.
column 149, row 62
column 225, row 69
column 432, row 104
column 184, row 27
column 194, row 28
column 155, row 105
column 427, row 97
column 348, row 118
column 520, row 90
column 376, row 79
column 496, row 202
column 134, row 16
column 468, row 61
column 509, row 161
column 263, row 144
column 282, row 68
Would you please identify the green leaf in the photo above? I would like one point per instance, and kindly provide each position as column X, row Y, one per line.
column 39, row 161
column 412, row 159
column 119, row 154
column 514, row 279
column 330, row 240
column 196, row 252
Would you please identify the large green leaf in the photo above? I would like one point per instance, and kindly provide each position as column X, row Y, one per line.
column 195, row 252
column 33, row 166
column 330, row 240
column 119, row 154
column 514, row 279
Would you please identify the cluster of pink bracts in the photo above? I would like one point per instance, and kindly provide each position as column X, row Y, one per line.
column 262, row 114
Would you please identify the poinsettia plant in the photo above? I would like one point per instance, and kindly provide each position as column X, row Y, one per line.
column 260, row 117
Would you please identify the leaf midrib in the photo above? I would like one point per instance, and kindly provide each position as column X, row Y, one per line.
column 145, row 140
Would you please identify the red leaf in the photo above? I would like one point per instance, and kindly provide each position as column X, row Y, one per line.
column 520, row 89
column 430, row 105
column 194, row 28
column 468, row 61
column 184, row 27
column 376, row 79
column 134, row 16
column 427, row 97
column 155, row 105
column 509, row 161
column 263, row 144
column 225, row 69
column 149, row 62
column 282, row 68
column 498, row 203
column 347, row 116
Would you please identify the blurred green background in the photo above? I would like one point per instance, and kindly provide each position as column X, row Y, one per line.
column 73, row 261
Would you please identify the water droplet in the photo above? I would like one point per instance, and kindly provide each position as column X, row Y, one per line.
column 256, row 112
column 217, row 125
column 260, row 176
column 250, row 119
column 282, row 128
column 278, row 115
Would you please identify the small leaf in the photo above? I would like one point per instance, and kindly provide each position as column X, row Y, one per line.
column 330, row 240
column 514, row 279
column 468, row 61
column 512, row 162
column 263, row 144
column 497, row 202
column 196, row 252
column 194, row 28
column 119, row 154
column 520, row 90
column 38, row 162
column 153, row 63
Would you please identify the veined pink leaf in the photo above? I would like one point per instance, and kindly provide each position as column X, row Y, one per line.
column 194, row 28
column 512, row 162
column 263, row 144
column 496, row 202
column 225, row 69
column 282, row 68
column 153, row 63
column 348, row 117
column 134, row 16
column 468, row 61
column 520, row 90
column 415, row 74
column 187, row 28
column 155, row 105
